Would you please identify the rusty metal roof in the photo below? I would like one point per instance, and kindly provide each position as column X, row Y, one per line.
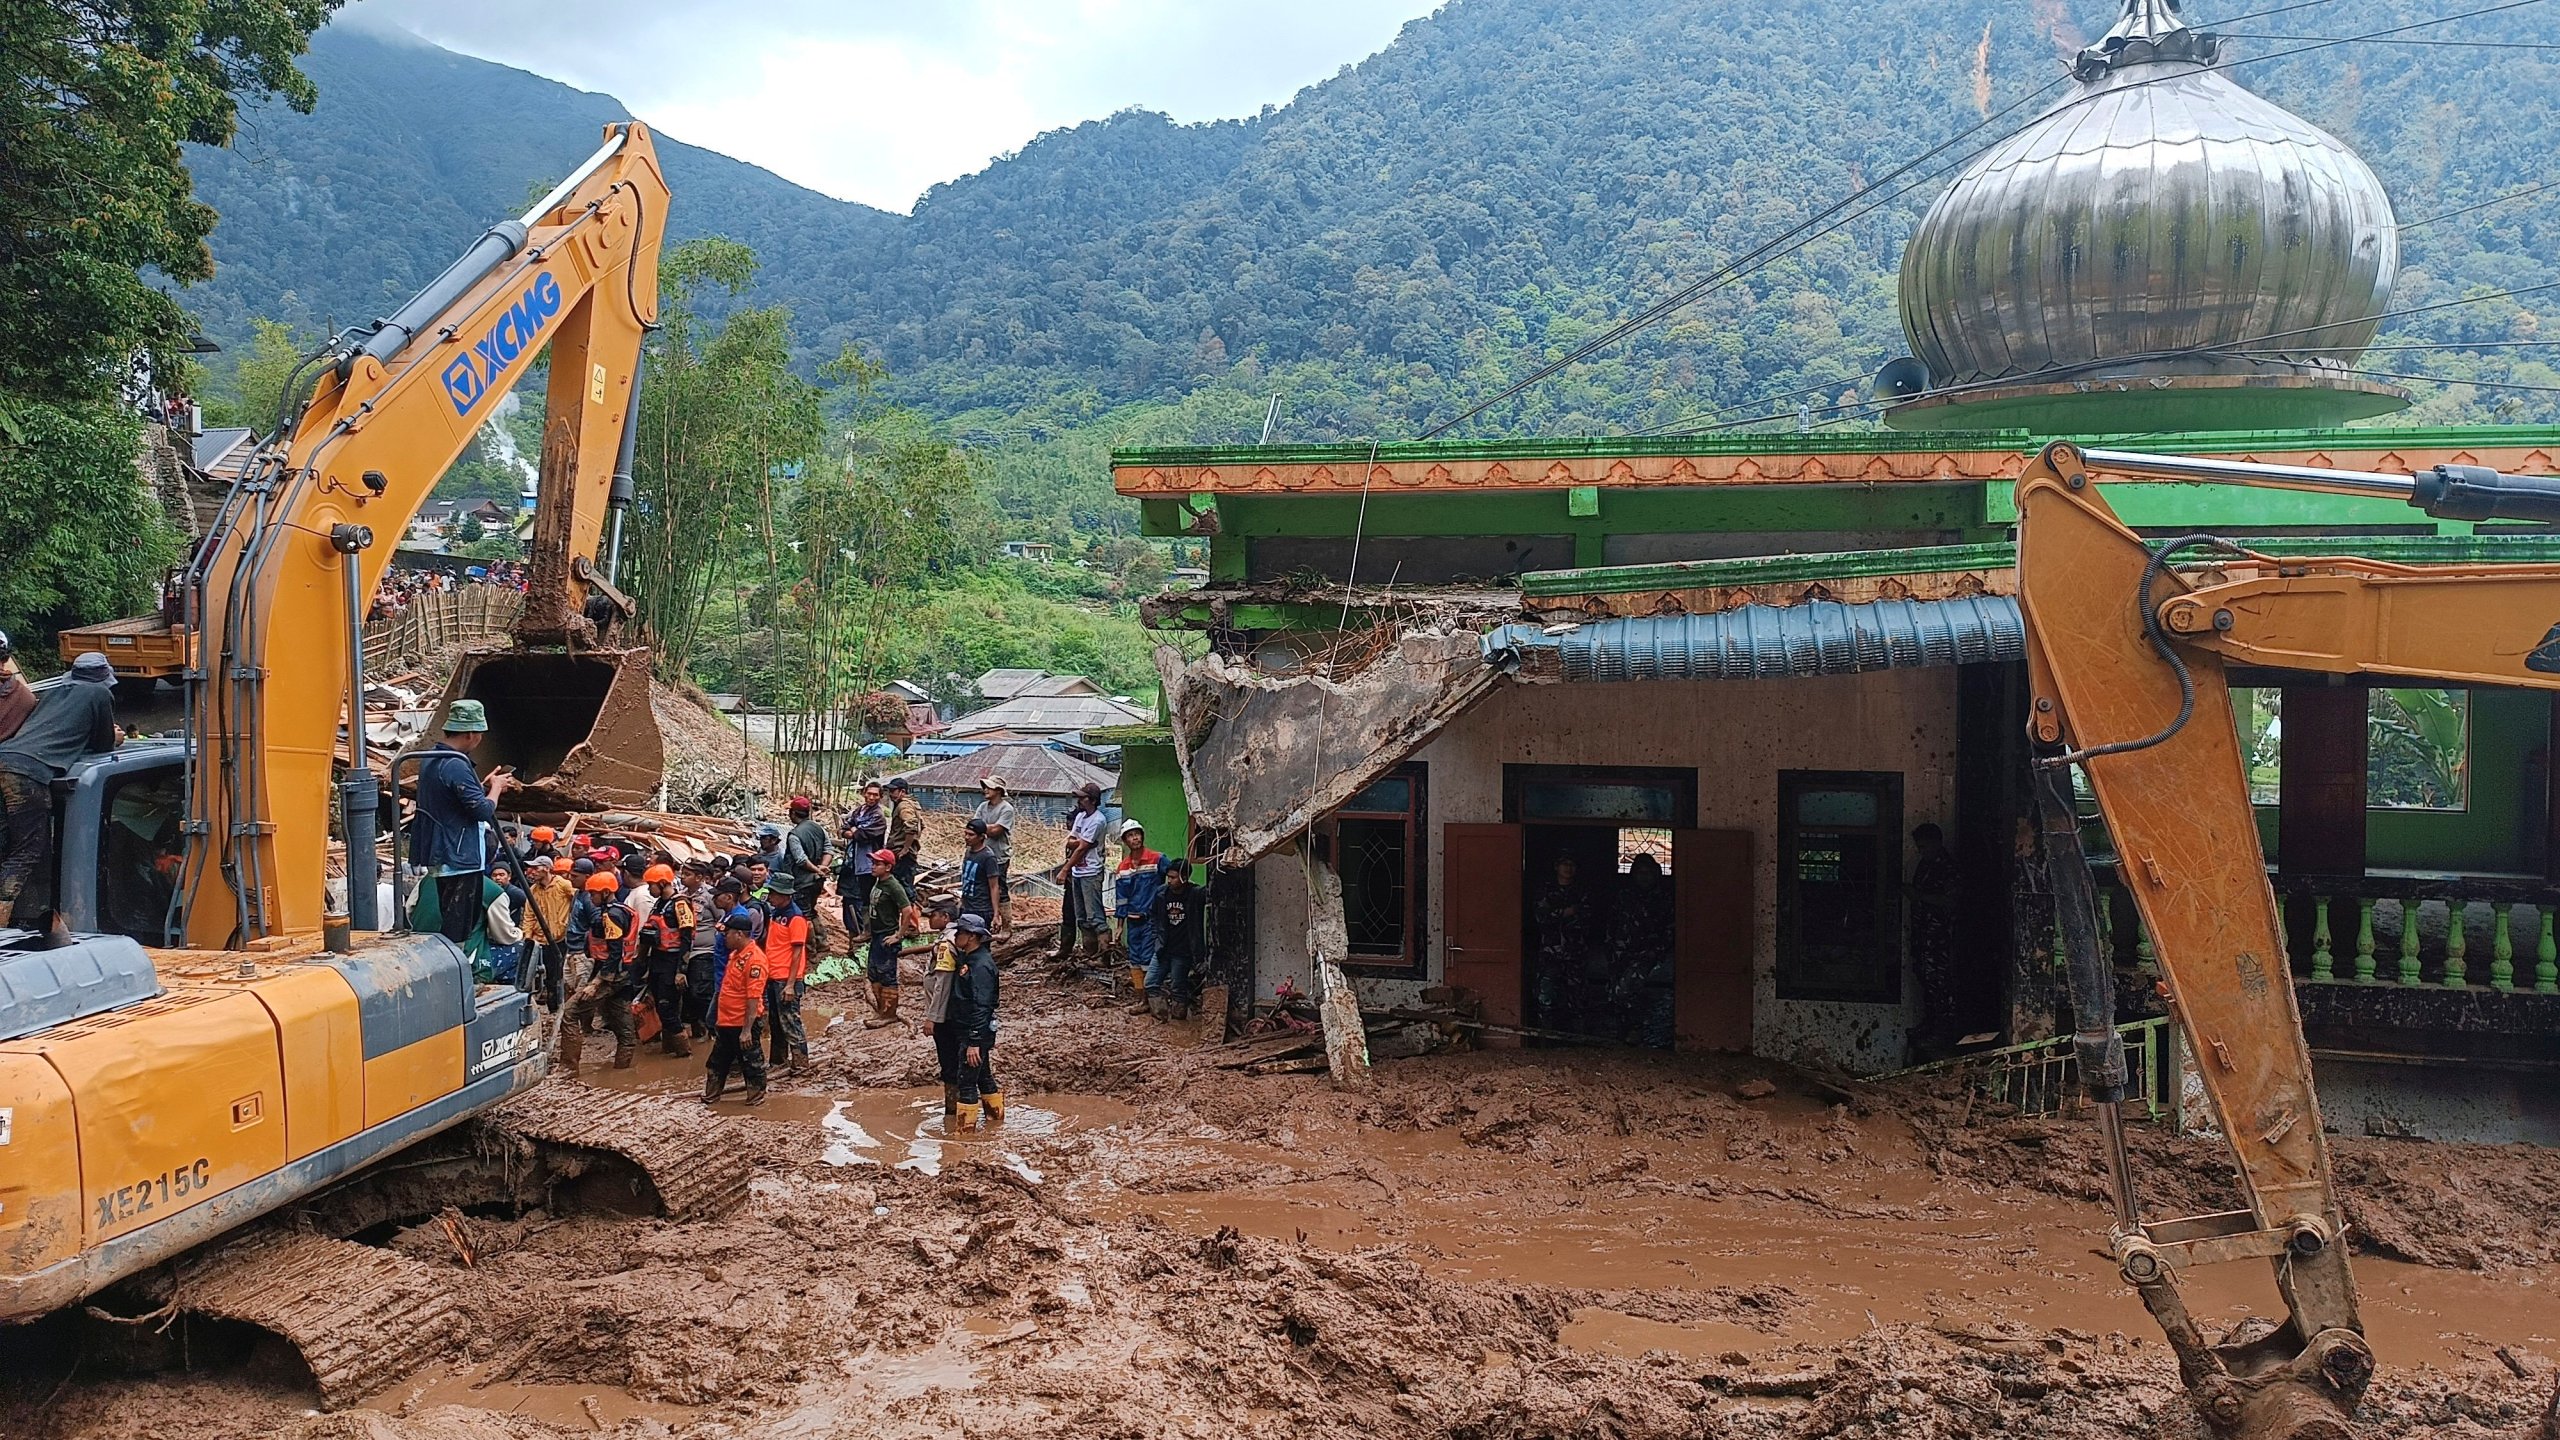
column 1048, row 715
column 1026, row 769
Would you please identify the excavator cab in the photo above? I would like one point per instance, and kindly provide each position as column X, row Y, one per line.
column 121, row 819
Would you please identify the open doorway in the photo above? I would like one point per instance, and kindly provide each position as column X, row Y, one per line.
column 1603, row 932
column 1600, row 915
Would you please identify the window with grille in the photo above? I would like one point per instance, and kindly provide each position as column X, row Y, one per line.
column 1382, row 866
column 1839, row 886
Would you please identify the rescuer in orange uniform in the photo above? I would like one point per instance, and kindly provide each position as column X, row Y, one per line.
column 741, row 1004
column 665, row 938
column 786, row 947
column 611, row 976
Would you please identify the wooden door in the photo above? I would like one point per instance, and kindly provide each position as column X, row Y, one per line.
column 1711, row 939
column 1481, row 918
column 2320, row 811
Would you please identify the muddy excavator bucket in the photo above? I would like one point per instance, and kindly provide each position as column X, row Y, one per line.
column 575, row 726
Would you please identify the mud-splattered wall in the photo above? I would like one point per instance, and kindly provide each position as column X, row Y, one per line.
column 1737, row 736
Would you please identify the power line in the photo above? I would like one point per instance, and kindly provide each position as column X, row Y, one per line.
column 2225, row 347
column 2456, row 44
column 2483, row 205
column 1755, row 258
column 1779, row 246
column 2457, row 380
column 2263, row 14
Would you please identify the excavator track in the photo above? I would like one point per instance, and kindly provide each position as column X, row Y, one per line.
column 359, row 1316
column 682, row 1152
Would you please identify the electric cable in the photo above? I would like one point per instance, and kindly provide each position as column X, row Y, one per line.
column 2483, row 205
column 1777, row 247
column 2378, row 40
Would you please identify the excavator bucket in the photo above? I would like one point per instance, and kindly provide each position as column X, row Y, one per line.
column 575, row 725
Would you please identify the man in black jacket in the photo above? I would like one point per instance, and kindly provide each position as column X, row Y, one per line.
column 972, row 1014
column 804, row 854
column 75, row 720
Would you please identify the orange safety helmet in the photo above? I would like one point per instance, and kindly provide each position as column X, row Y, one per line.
column 656, row 873
column 562, row 865
column 603, row 881
column 544, row 834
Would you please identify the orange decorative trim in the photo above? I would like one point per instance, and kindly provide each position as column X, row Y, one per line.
column 1443, row 473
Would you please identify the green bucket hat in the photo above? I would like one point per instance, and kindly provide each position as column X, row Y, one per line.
column 466, row 717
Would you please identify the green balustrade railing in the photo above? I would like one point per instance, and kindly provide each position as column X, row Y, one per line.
column 2389, row 928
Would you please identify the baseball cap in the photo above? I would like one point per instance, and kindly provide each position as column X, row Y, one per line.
column 897, row 782
column 884, row 857
column 1089, row 790
column 974, row 925
column 739, row 920
column 977, row 826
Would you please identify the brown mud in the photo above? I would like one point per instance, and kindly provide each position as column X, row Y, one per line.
column 1507, row 1244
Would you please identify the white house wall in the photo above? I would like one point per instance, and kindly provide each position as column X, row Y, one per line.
column 1738, row 735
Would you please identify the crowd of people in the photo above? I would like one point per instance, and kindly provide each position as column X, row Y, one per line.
column 401, row 588
column 638, row 944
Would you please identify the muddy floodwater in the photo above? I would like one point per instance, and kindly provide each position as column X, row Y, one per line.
column 1478, row 1245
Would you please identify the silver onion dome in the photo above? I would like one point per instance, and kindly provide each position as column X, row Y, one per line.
column 2163, row 234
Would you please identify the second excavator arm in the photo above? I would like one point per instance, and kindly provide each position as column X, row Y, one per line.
column 278, row 587
column 2127, row 643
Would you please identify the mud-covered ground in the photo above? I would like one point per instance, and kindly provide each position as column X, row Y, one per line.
column 1507, row 1244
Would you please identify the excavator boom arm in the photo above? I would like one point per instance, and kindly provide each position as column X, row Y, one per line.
column 2126, row 660
column 269, row 590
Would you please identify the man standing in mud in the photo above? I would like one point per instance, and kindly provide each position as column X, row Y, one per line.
column 666, row 938
column 1933, row 942
column 741, row 1005
column 1563, row 914
column 610, row 983
column 940, row 974
column 786, row 948
column 1134, row 887
column 906, row 832
column 995, row 813
column 804, row 852
column 883, row 924
column 1082, row 919
column 972, row 1014
column 864, row 830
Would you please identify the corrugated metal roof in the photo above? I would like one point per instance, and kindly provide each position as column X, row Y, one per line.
column 1764, row 642
column 1026, row 770
column 1047, row 715
column 1005, row 684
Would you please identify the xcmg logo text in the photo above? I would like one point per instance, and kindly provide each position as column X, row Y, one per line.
column 510, row 335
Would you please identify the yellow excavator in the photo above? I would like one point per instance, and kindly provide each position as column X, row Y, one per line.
column 197, row 1129
column 2127, row 641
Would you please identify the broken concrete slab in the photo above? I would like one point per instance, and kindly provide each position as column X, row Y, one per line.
column 1264, row 756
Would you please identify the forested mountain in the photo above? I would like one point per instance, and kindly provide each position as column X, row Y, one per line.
column 1505, row 179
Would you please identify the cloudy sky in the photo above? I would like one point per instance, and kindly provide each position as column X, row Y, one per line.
column 874, row 100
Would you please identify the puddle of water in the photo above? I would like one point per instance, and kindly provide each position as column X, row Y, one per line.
column 1891, row 1248
column 846, row 1138
column 1607, row 1332
column 581, row 1408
